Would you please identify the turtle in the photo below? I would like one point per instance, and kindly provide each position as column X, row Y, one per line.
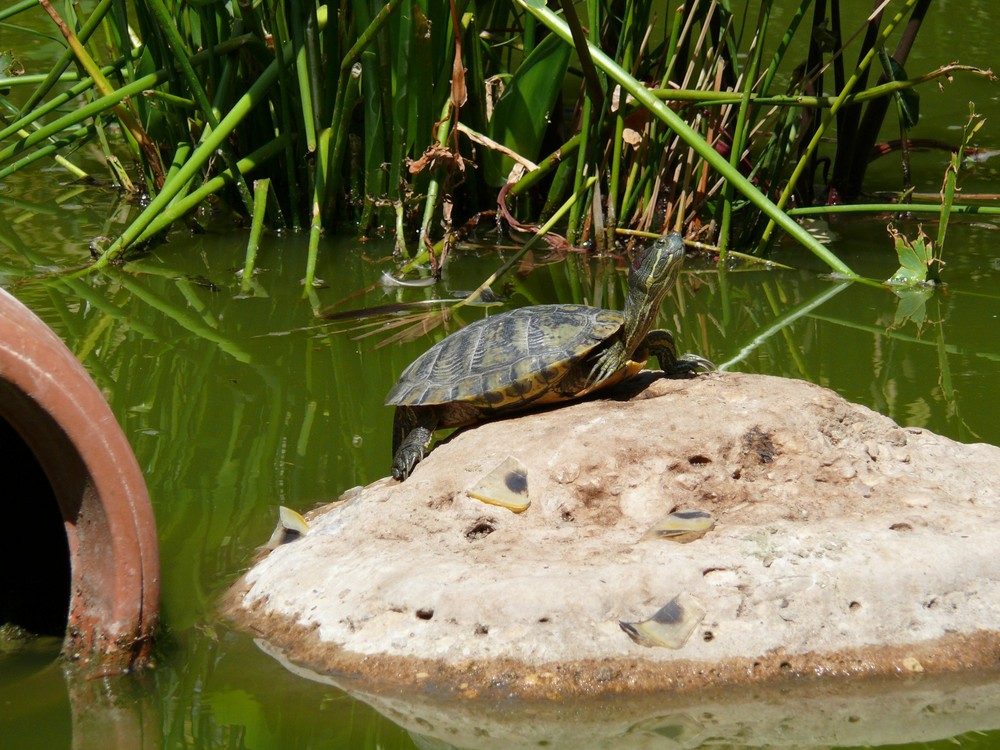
column 537, row 355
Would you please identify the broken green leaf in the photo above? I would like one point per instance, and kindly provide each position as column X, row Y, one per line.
column 916, row 258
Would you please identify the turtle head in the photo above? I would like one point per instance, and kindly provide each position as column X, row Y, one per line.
column 655, row 268
column 650, row 277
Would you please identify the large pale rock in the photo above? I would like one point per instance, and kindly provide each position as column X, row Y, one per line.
column 844, row 544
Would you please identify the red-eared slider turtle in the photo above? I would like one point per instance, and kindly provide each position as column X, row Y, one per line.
column 537, row 355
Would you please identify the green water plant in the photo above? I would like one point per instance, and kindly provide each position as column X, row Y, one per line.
column 918, row 258
column 972, row 126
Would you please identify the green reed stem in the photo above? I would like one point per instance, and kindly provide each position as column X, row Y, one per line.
column 316, row 222
column 260, row 188
column 302, row 75
column 894, row 208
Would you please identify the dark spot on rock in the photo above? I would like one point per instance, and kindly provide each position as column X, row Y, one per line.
column 757, row 441
column 482, row 527
column 699, row 460
column 543, row 619
column 708, row 636
column 784, row 665
column 442, row 501
column 425, row 613
column 482, row 629
column 737, row 474
column 903, row 526
column 516, row 481
column 854, row 606
column 568, row 516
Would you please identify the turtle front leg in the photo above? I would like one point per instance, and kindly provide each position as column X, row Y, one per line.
column 412, row 430
column 660, row 344
column 605, row 364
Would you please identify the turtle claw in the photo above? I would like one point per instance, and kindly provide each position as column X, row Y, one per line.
column 404, row 463
column 606, row 365
column 599, row 373
column 690, row 364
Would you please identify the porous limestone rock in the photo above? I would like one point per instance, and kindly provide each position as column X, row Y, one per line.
column 843, row 545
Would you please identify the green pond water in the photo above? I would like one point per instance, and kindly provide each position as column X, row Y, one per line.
column 235, row 404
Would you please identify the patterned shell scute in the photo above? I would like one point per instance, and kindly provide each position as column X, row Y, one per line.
column 505, row 358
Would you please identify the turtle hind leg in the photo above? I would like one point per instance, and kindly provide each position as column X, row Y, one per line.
column 412, row 430
column 660, row 344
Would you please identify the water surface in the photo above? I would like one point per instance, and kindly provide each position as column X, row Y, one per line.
column 235, row 404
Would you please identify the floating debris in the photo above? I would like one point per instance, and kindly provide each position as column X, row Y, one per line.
column 506, row 486
column 682, row 526
column 388, row 280
column 671, row 626
column 291, row 526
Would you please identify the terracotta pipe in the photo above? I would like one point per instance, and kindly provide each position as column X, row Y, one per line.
column 59, row 413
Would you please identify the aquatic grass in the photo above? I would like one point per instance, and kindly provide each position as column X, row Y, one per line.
column 409, row 119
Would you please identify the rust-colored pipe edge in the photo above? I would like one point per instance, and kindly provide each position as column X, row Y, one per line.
column 52, row 403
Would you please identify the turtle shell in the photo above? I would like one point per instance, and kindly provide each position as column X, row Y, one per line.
column 506, row 360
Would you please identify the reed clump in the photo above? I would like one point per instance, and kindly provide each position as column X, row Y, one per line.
column 413, row 118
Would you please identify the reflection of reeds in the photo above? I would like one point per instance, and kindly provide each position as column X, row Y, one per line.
column 416, row 116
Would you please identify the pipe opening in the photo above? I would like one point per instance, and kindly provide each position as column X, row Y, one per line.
column 35, row 569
